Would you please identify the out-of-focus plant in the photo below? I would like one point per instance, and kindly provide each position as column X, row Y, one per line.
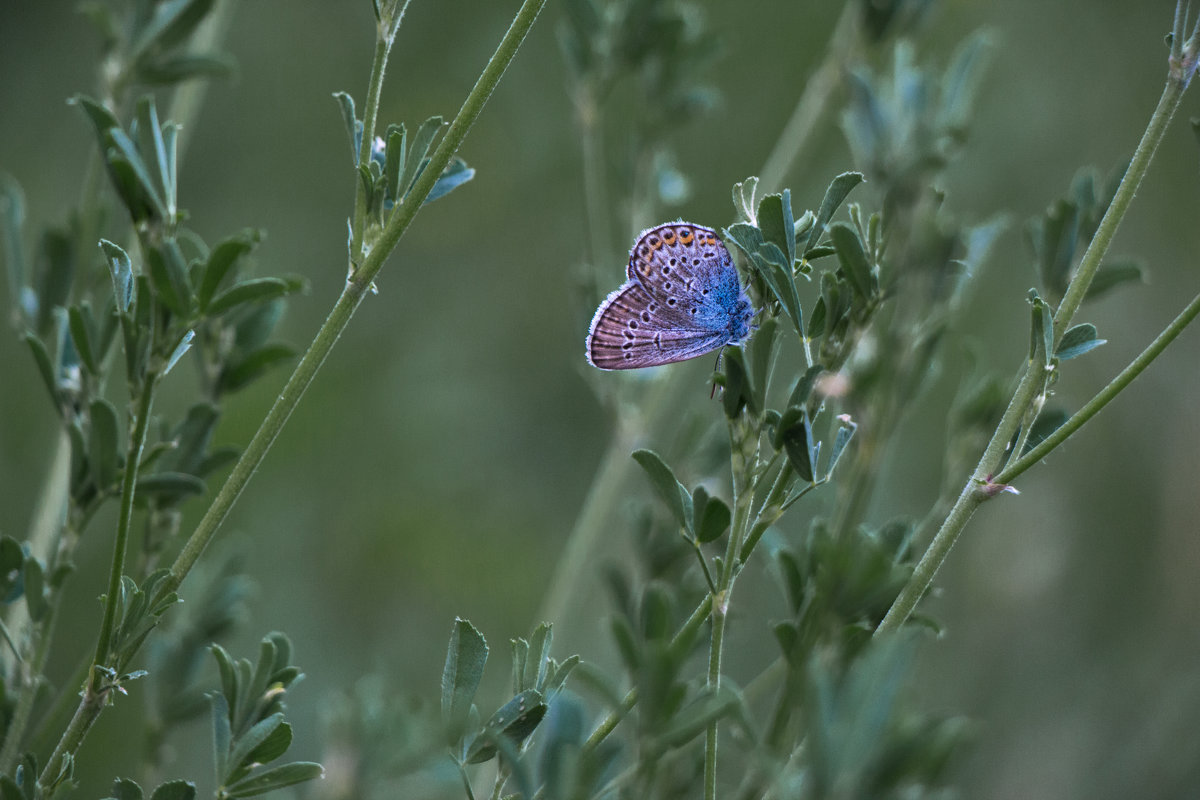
column 132, row 277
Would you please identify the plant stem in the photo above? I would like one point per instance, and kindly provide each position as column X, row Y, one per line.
column 743, row 468
column 383, row 46
column 1032, row 377
column 133, row 459
column 353, row 294
column 684, row 636
column 93, row 697
column 1115, row 386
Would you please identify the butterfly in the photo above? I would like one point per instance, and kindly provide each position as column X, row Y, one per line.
column 683, row 299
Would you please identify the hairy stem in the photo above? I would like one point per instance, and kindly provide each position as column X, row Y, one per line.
column 133, row 459
column 350, row 298
column 1032, row 377
column 1105, row 396
column 93, row 698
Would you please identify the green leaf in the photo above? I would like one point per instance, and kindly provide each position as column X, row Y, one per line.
column 743, row 197
column 669, row 489
column 454, row 175
column 746, row 236
column 275, row 778
column 222, row 732
column 515, row 721
column 1041, row 334
column 191, row 438
column 42, row 359
column 126, row 789
column 1112, row 275
column 1077, row 341
column 12, row 559
column 465, row 659
column 168, row 273
column 853, row 259
column 136, row 185
column 121, row 271
column 178, row 68
column 273, row 746
column 56, row 276
column 249, row 291
column 221, row 260
column 240, row 757
column 12, row 222
column 834, row 195
column 395, row 152
column 795, row 436
column 185, row 344
column 83, row 335
column 844, row 435
column 353, row 126
column 556, row 679
column 172, row 22
column 1047, row 423
column 103, row 443
column 712, row 520
column 804, row 386
column 778, row 277
column 534, row 672
column 761, row 352
column 175, row 790
column 422, row 141
column 709, row 706
column 35, row 590
column 737, row 382
column 777, row 224
column 153, row 147
column 167, row 488
column 245, row 371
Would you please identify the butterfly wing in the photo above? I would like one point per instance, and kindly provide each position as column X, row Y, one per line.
column 689, row 271
column 632, row 329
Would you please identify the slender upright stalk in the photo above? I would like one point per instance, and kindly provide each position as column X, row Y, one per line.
column 93, row 699
column 980, row 485
column 352, row 295
column 1105, row 396
column 356, row 288
column 743, row 457
column 133, row 459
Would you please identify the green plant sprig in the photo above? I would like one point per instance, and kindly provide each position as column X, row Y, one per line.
column 983, row 484
column 356, row 288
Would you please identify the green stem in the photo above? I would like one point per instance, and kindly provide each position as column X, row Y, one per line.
column 683, row 638
column 93, row 696
column 353, row 294
column 133, row 459
column 383, row 46
column 1032, row 379
column 1098, row 248
column 1093, row 406
column 743, row 497
column 85, row 714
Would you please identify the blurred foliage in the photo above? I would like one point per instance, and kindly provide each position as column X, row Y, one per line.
column 868, row 274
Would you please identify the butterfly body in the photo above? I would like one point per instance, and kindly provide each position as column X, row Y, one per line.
column 682, row 299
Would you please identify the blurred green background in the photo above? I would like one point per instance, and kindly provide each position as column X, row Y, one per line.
column 439, row 461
